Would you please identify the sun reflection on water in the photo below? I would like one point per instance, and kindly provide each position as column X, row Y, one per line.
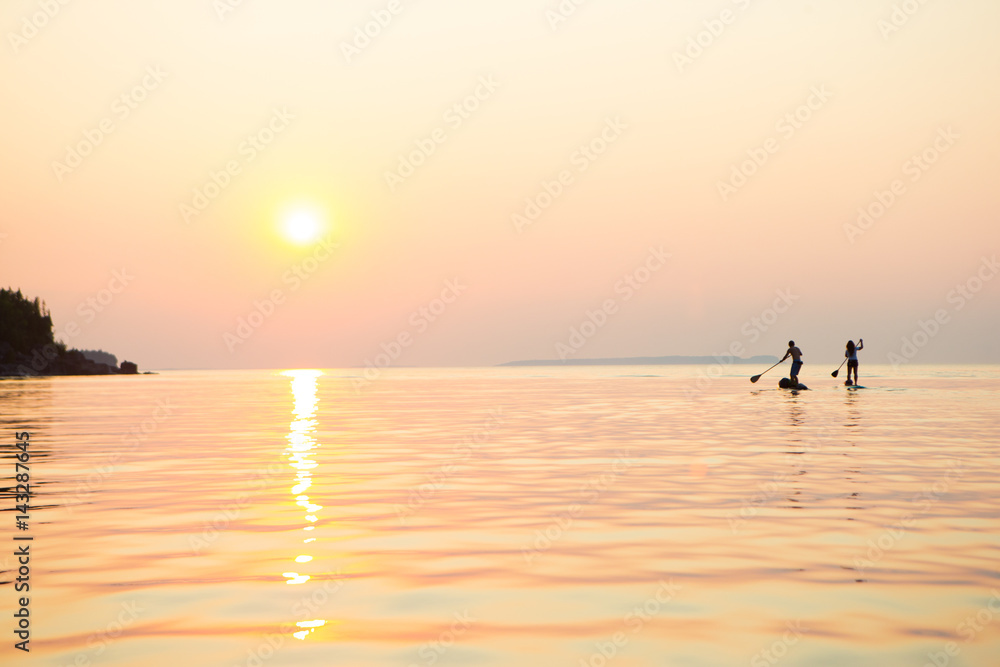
column 301, row 448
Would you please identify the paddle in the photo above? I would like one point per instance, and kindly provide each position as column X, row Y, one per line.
column 757, row 377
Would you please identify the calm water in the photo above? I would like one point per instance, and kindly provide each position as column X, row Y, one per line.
column 517, row 516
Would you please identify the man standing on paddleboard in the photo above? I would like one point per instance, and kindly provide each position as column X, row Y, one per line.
column 796, row 362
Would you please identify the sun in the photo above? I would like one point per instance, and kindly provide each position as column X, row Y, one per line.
column 302, row 226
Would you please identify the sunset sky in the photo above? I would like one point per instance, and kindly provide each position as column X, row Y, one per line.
column 692, row 164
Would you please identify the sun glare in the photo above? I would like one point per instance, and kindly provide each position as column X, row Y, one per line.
column 303, row 226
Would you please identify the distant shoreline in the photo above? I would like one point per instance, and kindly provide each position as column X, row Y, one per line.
column 645, row 361
column 28, row 347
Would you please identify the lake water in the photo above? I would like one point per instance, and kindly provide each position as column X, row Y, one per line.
column 507, row 516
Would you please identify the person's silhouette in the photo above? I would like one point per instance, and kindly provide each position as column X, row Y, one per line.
column 852, row 359
column 796, row 355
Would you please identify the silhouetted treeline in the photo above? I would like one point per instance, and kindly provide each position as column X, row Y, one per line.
column 24, row 324
column 27, row 345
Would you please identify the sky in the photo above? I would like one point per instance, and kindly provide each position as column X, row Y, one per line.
column 263, row 184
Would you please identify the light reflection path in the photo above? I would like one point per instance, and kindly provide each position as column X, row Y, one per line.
column 301, row 447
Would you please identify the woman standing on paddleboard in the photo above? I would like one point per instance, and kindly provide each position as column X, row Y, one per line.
column 852, row 359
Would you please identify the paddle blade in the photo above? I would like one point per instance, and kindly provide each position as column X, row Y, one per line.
column 755, row 378
column 835, row 373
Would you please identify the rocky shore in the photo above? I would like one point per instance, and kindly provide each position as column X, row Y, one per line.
column 52, row 359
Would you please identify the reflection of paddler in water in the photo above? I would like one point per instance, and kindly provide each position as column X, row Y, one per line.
column 852, row 359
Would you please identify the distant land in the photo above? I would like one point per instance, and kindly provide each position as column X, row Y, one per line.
column 647, row 361
column 28, row 346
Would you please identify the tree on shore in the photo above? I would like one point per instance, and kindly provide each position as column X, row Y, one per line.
column 25, row 324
